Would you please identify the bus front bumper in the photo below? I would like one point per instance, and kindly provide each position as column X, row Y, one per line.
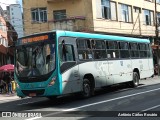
column 38, row 92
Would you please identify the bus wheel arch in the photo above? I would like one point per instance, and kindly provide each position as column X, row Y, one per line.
column 136, row 78
column 88, row 85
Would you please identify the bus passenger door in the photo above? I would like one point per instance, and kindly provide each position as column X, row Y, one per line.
column 69, row 69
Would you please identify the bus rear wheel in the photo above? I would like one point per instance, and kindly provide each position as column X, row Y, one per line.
column 86, row 89
column 135, row 81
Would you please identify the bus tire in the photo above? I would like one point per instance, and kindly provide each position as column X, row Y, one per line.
column 135, row 81
column 86, row 93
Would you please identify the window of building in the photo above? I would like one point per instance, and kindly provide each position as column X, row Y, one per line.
column 106, row 13
column 59, row 14
column 106, row 9
column 148, row 17
column 125, row 14
column 158, row 18
column 39, row 14
column 1, row 25
column 137, row 9
column 112, row 49
column 98, row 47
column 158, row 1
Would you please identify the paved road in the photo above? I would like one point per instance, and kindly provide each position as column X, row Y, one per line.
column 107, row 102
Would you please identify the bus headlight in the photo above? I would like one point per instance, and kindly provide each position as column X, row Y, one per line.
column 52, row 81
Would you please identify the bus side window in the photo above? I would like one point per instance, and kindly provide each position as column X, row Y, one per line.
column 66, row 52
column 84, row 49
column 70, row 53
column 143, row 50
column 93, row 44
column 149, row 51
column 112, row 49
column 124, row 50
column 99, row 49
column 134, row 50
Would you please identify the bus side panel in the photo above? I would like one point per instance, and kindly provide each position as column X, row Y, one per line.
column 102, row 77
column 92, row 69
column 151, row 67
column 70, row 81
column 120, row 70
column 144, row 69
column 99, row 71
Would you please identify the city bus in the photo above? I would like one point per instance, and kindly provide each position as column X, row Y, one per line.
column 57, row 63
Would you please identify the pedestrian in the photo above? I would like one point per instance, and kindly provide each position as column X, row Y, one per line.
column 8, row 79
column 10, row 85
column 2, row 86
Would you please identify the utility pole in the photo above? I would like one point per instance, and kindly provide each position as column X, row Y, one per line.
column 156, row 39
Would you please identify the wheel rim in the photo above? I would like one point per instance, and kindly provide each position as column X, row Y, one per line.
column 136, row 80
column 86, row 89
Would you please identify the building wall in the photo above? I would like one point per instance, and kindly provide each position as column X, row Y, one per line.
column 15, row 18
column 3, row 29
column 7, row 36
column 88, row 9
column 72, row 7
column 137, row 27
column 3, row 41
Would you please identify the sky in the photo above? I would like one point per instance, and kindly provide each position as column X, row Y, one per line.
column 4, row 3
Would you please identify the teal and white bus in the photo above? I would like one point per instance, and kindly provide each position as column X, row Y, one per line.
column 57, row 63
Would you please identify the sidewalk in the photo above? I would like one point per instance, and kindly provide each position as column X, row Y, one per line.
column 150, row 81
column 8, row 97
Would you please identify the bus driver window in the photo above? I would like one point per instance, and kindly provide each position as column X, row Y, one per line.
column 66, row 52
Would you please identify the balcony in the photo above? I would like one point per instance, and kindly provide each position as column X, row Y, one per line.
column 76, row 23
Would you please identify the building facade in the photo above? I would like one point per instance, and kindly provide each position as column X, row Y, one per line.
column 126, row 17
column 3, row 39
column 14, row 16
column 7, row 36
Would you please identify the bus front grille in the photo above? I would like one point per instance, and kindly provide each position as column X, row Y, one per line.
column 37, row 92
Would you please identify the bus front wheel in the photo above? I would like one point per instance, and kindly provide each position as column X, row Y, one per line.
column 86, row 88
column 135, row 81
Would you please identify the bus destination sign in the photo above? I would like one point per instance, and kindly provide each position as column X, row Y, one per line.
column 34, row 39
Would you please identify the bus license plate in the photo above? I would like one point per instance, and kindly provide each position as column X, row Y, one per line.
column 32, row 94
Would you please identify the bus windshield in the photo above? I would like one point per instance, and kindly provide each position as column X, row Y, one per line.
column 35, row 60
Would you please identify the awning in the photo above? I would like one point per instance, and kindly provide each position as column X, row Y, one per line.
column 8, row 67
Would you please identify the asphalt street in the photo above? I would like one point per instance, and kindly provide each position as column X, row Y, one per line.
column 117, row 102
